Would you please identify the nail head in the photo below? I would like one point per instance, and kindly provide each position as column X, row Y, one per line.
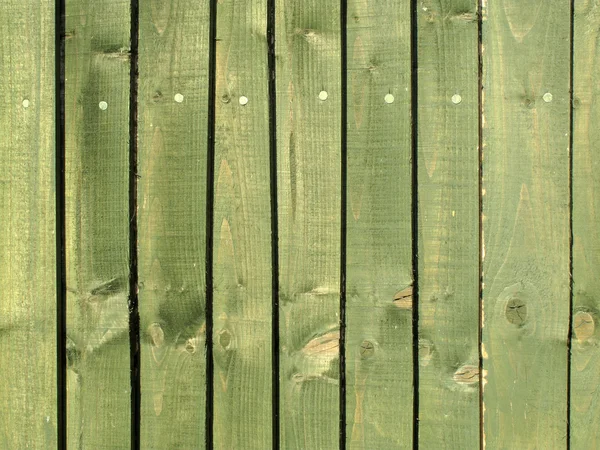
column 456, row 99
column 547, row 97
column 243, row 100
column 25, row 103
column 323, row 95
column 178, row 98
column 389, row 98
column 103, row 105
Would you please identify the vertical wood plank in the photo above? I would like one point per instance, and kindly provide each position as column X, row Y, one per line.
column 97, row 222
column 28, row 241
column 242, row 308
column 379, row 366
column 308, row 58
column 526, row 111
column 172, row 163
column 448, row 190
column 585, row 362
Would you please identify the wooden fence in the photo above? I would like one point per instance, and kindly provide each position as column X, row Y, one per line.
column 299, row 224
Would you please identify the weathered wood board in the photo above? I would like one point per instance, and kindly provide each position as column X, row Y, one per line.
column 309, row 214
column 172, row 169
column 242, row 307
column 379, row 335
column 525, row 198
column 448, row 190
column 97, row 222
column 585, row 359
column 28, row 411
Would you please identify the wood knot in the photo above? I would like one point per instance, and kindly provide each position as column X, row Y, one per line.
column 466, row 374
column 404, row 299
column 308, row 33
column 583, row 326
column 367, row 349
column 225, row 339
column 157, row 97
column 425, row 352
column 529, row 102
column 516, row 311
column 190, row 345
column 156, row 334
column 465, row 16
column 225, row 98
column 430, row 16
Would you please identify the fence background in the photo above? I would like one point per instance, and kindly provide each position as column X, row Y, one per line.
column 305, row 224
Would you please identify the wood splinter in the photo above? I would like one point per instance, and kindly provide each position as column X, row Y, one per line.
column 404, row 299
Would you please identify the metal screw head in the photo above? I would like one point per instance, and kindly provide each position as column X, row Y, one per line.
column 323, row 95
column 178, row 98
column 456, row 99
column 243, row 100
column 547, row 97
column 389, row 98
column 103, row 105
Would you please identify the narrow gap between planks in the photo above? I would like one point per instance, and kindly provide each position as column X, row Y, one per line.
column 343, row 230
column 61, row 281
column 210, row 195
column 134, row 316
column 571, row 239
column 415, row 216
column 480, row 177
column 274, row 223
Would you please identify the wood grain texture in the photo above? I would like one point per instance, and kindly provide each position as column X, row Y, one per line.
column 526, row 55
column 308, row 56
column 97, row 223
column 448, row 190
column 242, row 308
column 28, row 241
column 585, row 359
column 172, row 166
column 379, row 365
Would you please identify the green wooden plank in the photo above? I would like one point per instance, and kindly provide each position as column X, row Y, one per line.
column 448, row 192
column 27, row 243
column 585, row 359
column 308, row 56
column 379, row 365
column 526, row 109
column 242, row 308
column 172, row 151
column 96, row 222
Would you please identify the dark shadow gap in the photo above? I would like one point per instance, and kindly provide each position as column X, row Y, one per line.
column 210, row 196
column 480, row 152
column 134, row 316
column 414, row 88
column 343, row 231
column 274, row 222
column 571, row 239
column 61, row 275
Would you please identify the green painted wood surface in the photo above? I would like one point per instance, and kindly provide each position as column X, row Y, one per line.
column 172, row 166
column 526, row 112
column 585, row 359
column 309, row 204
column 242, row 308
column 27, row 244
column 379, row 363
column 97, row 222
column 448, row 189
